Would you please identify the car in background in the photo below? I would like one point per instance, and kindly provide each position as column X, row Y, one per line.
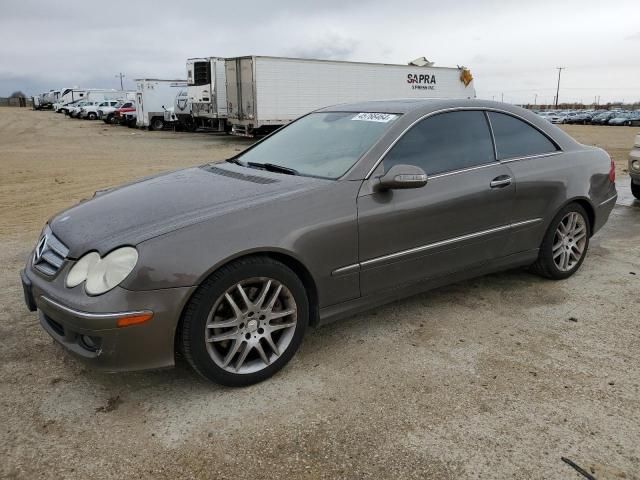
column 120, row 114
column 556, row 117
column 106, row 114
column 603, row 118
column 550, row 116
column 90, row 112
column 626, row 118
column 75, row 112
column 65, row 108
column 74, row 109
column 580, row 118
column 634, row 121
column 634, row 168
column 342, row 210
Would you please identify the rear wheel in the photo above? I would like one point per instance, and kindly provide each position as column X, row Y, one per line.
column 245, row 322
column 92, row 116
column 635, row 189
column 565, row 244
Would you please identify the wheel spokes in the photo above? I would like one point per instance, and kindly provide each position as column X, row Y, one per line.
column 232, row 352
column 263, row 294
column 247, row 303
column 243, row 356
column 241, row 337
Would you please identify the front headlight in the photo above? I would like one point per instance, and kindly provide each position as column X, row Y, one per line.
column 102, row 274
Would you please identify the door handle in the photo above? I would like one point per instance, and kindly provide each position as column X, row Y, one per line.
column 500, row 182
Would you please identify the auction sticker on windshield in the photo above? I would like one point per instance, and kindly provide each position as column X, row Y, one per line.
column 375, row 117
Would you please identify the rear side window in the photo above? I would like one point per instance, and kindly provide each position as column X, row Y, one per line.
column 444, row 142
column 515, row 138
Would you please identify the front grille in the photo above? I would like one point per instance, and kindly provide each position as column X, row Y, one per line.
column 49, row 254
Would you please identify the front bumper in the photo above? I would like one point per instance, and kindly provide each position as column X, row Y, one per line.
column 87, row 326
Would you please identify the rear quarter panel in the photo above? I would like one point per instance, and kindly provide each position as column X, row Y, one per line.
column 546, row 184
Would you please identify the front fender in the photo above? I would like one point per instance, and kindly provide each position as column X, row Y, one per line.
column 318, row 230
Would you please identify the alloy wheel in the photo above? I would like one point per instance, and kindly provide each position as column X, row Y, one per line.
column 569, row 241
column 251, row 325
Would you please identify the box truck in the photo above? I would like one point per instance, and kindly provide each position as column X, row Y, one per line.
column 264, row 93
column 153, row 97
column 207, row 92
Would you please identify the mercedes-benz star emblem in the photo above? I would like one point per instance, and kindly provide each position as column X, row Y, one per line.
column 40, row 248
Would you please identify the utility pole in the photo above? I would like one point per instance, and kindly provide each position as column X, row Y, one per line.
column 558, row 89
column 502, row 97
column 121, row 75
column 535, row 99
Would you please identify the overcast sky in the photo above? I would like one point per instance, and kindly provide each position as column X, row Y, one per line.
column 511, row 47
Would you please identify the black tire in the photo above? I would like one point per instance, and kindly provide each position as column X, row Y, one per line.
column 545, row 265
column 156, row 124
column 635, row 189
column 192, row 334
column 92, row 116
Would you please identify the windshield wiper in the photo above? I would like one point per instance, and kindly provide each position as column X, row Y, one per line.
column 272, row 167
column 234, row 160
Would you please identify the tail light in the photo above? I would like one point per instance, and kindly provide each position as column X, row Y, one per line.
column 612, row 172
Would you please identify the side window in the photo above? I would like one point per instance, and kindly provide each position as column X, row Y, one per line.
column 444, row 142
column 515, row 138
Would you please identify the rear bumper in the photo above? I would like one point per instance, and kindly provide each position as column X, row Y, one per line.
column 90, row 331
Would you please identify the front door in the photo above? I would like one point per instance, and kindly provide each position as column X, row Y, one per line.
column 459, row 220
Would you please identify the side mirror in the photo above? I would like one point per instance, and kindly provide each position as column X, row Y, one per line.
column 401, row 177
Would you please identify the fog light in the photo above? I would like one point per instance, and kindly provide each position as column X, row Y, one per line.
column 635, row 165
column 90, row 343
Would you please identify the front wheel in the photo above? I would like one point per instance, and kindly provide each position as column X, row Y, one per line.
column 92, row 116
column 245, row 322
column 565, row 244
column 157, row 124
column 635, row 189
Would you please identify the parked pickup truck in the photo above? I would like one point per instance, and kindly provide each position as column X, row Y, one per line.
column 107, row 114
column 91, row 111
column 119, row 115
column 634, row 168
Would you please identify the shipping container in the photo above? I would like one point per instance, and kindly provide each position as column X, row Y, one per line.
column 266, row 92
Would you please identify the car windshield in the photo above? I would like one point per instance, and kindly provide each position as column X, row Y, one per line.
column 323, row 144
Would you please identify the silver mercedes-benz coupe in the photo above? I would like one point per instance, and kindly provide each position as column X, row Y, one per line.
column 344, row 209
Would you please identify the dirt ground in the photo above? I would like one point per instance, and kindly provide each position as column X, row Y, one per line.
column 497, row 377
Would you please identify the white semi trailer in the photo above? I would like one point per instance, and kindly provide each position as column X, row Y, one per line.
column 207, row 91
column 264, row 93
column 153, row 98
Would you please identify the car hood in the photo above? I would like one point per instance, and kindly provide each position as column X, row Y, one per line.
column 157, row 205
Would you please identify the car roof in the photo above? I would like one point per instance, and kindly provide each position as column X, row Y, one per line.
column 417, row 105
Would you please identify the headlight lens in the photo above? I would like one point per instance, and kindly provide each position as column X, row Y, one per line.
column 635, row 165
column 102, row 274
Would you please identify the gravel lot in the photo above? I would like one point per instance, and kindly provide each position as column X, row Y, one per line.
column 492, row 378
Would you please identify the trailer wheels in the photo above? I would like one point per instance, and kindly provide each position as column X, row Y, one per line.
column 157, row 123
